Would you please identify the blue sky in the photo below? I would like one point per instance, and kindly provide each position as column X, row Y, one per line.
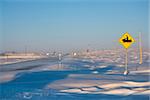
column 67, row 25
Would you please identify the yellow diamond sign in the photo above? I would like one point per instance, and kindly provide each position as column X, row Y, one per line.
column 126, row 40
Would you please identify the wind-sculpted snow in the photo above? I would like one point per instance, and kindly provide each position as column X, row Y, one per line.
column 72, row 79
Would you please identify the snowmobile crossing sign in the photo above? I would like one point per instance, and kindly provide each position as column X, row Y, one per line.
column 126, row 40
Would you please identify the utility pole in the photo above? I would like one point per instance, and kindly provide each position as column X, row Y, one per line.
column 140, row 49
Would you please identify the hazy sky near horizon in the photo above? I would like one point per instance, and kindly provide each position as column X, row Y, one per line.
column 62, row 25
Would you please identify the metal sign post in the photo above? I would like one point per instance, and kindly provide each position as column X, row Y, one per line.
column 126, row 63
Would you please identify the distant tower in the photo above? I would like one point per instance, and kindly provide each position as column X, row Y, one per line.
column 88, row 49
